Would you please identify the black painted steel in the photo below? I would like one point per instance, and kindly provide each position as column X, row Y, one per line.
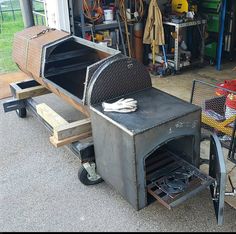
column 13, row 105
column 155, row 108
column 217, row 170
column 123, row 142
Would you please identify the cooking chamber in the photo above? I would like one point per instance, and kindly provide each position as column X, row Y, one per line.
column 66, row 65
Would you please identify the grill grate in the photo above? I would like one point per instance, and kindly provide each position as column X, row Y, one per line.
column 171, row 180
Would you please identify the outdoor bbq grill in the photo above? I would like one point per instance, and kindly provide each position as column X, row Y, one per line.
column 150, row 154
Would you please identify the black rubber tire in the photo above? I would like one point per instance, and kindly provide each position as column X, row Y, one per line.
column 22, row 113
column 83, row 177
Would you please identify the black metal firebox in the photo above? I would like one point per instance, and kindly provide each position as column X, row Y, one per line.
column 153, row 152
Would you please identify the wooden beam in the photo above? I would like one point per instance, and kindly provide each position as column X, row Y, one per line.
column 72, row 129
column 31, row 92
column 50, row 116
column 59, row 143
column 64, row 133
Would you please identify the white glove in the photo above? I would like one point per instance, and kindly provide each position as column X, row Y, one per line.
column 122, row 106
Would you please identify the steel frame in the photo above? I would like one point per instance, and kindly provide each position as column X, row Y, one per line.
column 199, row 23
column 84, row 150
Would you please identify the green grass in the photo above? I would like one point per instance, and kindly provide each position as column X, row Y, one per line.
column 8, row 28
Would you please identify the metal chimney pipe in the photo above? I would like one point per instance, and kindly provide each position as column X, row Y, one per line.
column 27, row 13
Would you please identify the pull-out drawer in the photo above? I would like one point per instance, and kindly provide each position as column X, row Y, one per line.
column 178, row 180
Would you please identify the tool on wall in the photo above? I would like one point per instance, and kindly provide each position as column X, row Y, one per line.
column 138, row 13
column 93, row 13
column 120, row 30
column 123, row 15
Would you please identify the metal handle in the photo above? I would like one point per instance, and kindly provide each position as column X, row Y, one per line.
column 43, row 32
column 233, row 193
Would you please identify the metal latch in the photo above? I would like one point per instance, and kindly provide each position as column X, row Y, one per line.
column 233, row 193
column 216, row 194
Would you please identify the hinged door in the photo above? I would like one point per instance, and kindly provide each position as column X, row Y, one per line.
column 217, row 170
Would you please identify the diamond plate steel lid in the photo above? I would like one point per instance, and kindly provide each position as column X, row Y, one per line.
column 117, row 77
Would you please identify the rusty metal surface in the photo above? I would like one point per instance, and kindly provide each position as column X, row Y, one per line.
column 28, row 47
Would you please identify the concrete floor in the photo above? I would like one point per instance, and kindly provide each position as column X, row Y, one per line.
column 40, row 191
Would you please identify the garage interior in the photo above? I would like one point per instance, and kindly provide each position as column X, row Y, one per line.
column 70, row 76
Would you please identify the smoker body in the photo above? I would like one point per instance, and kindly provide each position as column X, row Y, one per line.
column 140, row 154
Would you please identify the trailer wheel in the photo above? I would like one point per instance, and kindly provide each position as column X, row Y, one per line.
column 21, row 112
column 85, row 179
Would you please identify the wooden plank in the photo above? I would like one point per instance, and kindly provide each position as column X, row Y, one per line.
column 72, row 129
column 8, row 78
column 50, row 116
column 59, row 143
column 31, row 92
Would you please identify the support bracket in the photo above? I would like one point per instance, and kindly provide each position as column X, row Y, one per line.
column 13, row 105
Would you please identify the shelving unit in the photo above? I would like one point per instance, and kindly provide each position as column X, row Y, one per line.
column 221, row 32
column 82, row 27
column 230, row 35
column 176, row 63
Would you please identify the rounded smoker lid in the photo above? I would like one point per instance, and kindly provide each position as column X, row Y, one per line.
column 116, row 78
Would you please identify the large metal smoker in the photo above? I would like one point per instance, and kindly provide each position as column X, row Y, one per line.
column 151, row 154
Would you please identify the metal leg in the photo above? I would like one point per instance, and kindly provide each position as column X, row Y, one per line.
column 231, row 153
column 233, row 193
column 221, row 36
column 177, row 55
column 203, row 27
column 121, row 34
column 82, row 19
